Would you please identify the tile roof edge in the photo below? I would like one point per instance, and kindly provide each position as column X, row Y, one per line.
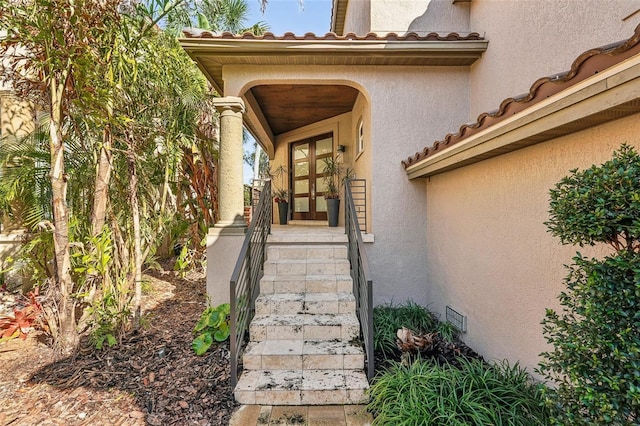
column 195, row 33
column 552, row 84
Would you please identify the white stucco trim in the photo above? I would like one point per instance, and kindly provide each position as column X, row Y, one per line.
column 601, row 92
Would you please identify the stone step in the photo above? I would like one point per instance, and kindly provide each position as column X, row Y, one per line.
column 303, row 355
column 304, row 327
column 307, row 251
column 305, row 303
column 322, row 283
column 302, row 387
column 287, row 267
column 303, row 346
column 307, row 237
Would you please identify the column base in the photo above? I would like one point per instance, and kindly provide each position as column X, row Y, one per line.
column 230, row 228
column 223, row 247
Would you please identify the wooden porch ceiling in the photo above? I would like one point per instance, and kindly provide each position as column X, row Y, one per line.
column 291, row 106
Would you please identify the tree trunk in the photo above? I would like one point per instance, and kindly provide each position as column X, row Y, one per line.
column 68, row 336
column 135, row 212
column 256, row 162
column 103, row 176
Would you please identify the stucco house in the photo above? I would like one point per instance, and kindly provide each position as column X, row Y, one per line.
column 423, row 100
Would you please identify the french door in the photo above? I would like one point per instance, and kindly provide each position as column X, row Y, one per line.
column 307, row 178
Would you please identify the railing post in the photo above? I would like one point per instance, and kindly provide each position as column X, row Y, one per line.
column 369, row 344
column 232, row 336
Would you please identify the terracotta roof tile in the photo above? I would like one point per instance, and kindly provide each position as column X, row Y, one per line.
column 587, row 64
column 412, row 36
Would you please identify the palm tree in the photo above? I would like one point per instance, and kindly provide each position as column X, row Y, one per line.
column 213, row 15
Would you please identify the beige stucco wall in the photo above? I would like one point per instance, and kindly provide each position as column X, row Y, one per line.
column 401, row 16
column 529, row 39
column 488, row 252
column 358, row 17
column 421, row 16
column 407, row 112
column 10, row 244
column 16, row 116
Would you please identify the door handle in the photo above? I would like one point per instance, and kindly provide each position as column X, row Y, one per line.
column 313, row 191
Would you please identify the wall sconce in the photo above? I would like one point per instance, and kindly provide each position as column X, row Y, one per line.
column 342, row 148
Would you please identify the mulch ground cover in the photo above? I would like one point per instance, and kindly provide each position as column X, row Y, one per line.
column 151, row 377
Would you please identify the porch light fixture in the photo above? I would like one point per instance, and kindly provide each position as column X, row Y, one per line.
column 341, row 148
column 455, row 318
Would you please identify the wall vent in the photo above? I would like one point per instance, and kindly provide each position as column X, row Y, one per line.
column 455, row 318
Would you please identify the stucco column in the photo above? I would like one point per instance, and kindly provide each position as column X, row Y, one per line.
column 230, row 185
column 225, row 239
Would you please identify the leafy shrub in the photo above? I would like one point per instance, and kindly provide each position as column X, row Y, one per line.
column 387, row 319
column 184, row 261
column 108, row 315
column 600, row 204
column 213, row 325
column 426, row 393
column 596, row 356
column 596, row 338
column 108, row 295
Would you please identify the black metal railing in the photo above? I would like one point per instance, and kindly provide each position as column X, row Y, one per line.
column 245, row 279
column 256, row 189
column 362, row 283
column 359, row 195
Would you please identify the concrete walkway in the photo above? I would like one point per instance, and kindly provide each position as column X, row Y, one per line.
column 315, row 415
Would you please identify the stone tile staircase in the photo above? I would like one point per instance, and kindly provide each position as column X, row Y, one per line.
column 304, row 339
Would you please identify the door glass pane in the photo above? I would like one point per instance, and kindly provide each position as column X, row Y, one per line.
column 324, row 146
column 302, row 186
column 302, row 169
column 319, row 166
column 301, row 204
column 301, row 152
column 321, row 204
column 321, row 186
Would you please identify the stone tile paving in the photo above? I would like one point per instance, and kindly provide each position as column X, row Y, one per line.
column 315, row 415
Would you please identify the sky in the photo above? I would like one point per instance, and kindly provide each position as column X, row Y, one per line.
column 286, row 15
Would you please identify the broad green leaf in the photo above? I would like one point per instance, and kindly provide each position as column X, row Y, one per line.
column 202, row 343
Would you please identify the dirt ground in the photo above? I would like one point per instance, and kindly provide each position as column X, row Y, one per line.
column 152, row 377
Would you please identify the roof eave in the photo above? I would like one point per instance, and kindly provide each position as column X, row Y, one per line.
column 338, row 15
column 216, row 84
column 612, row 94
column 316, row 47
